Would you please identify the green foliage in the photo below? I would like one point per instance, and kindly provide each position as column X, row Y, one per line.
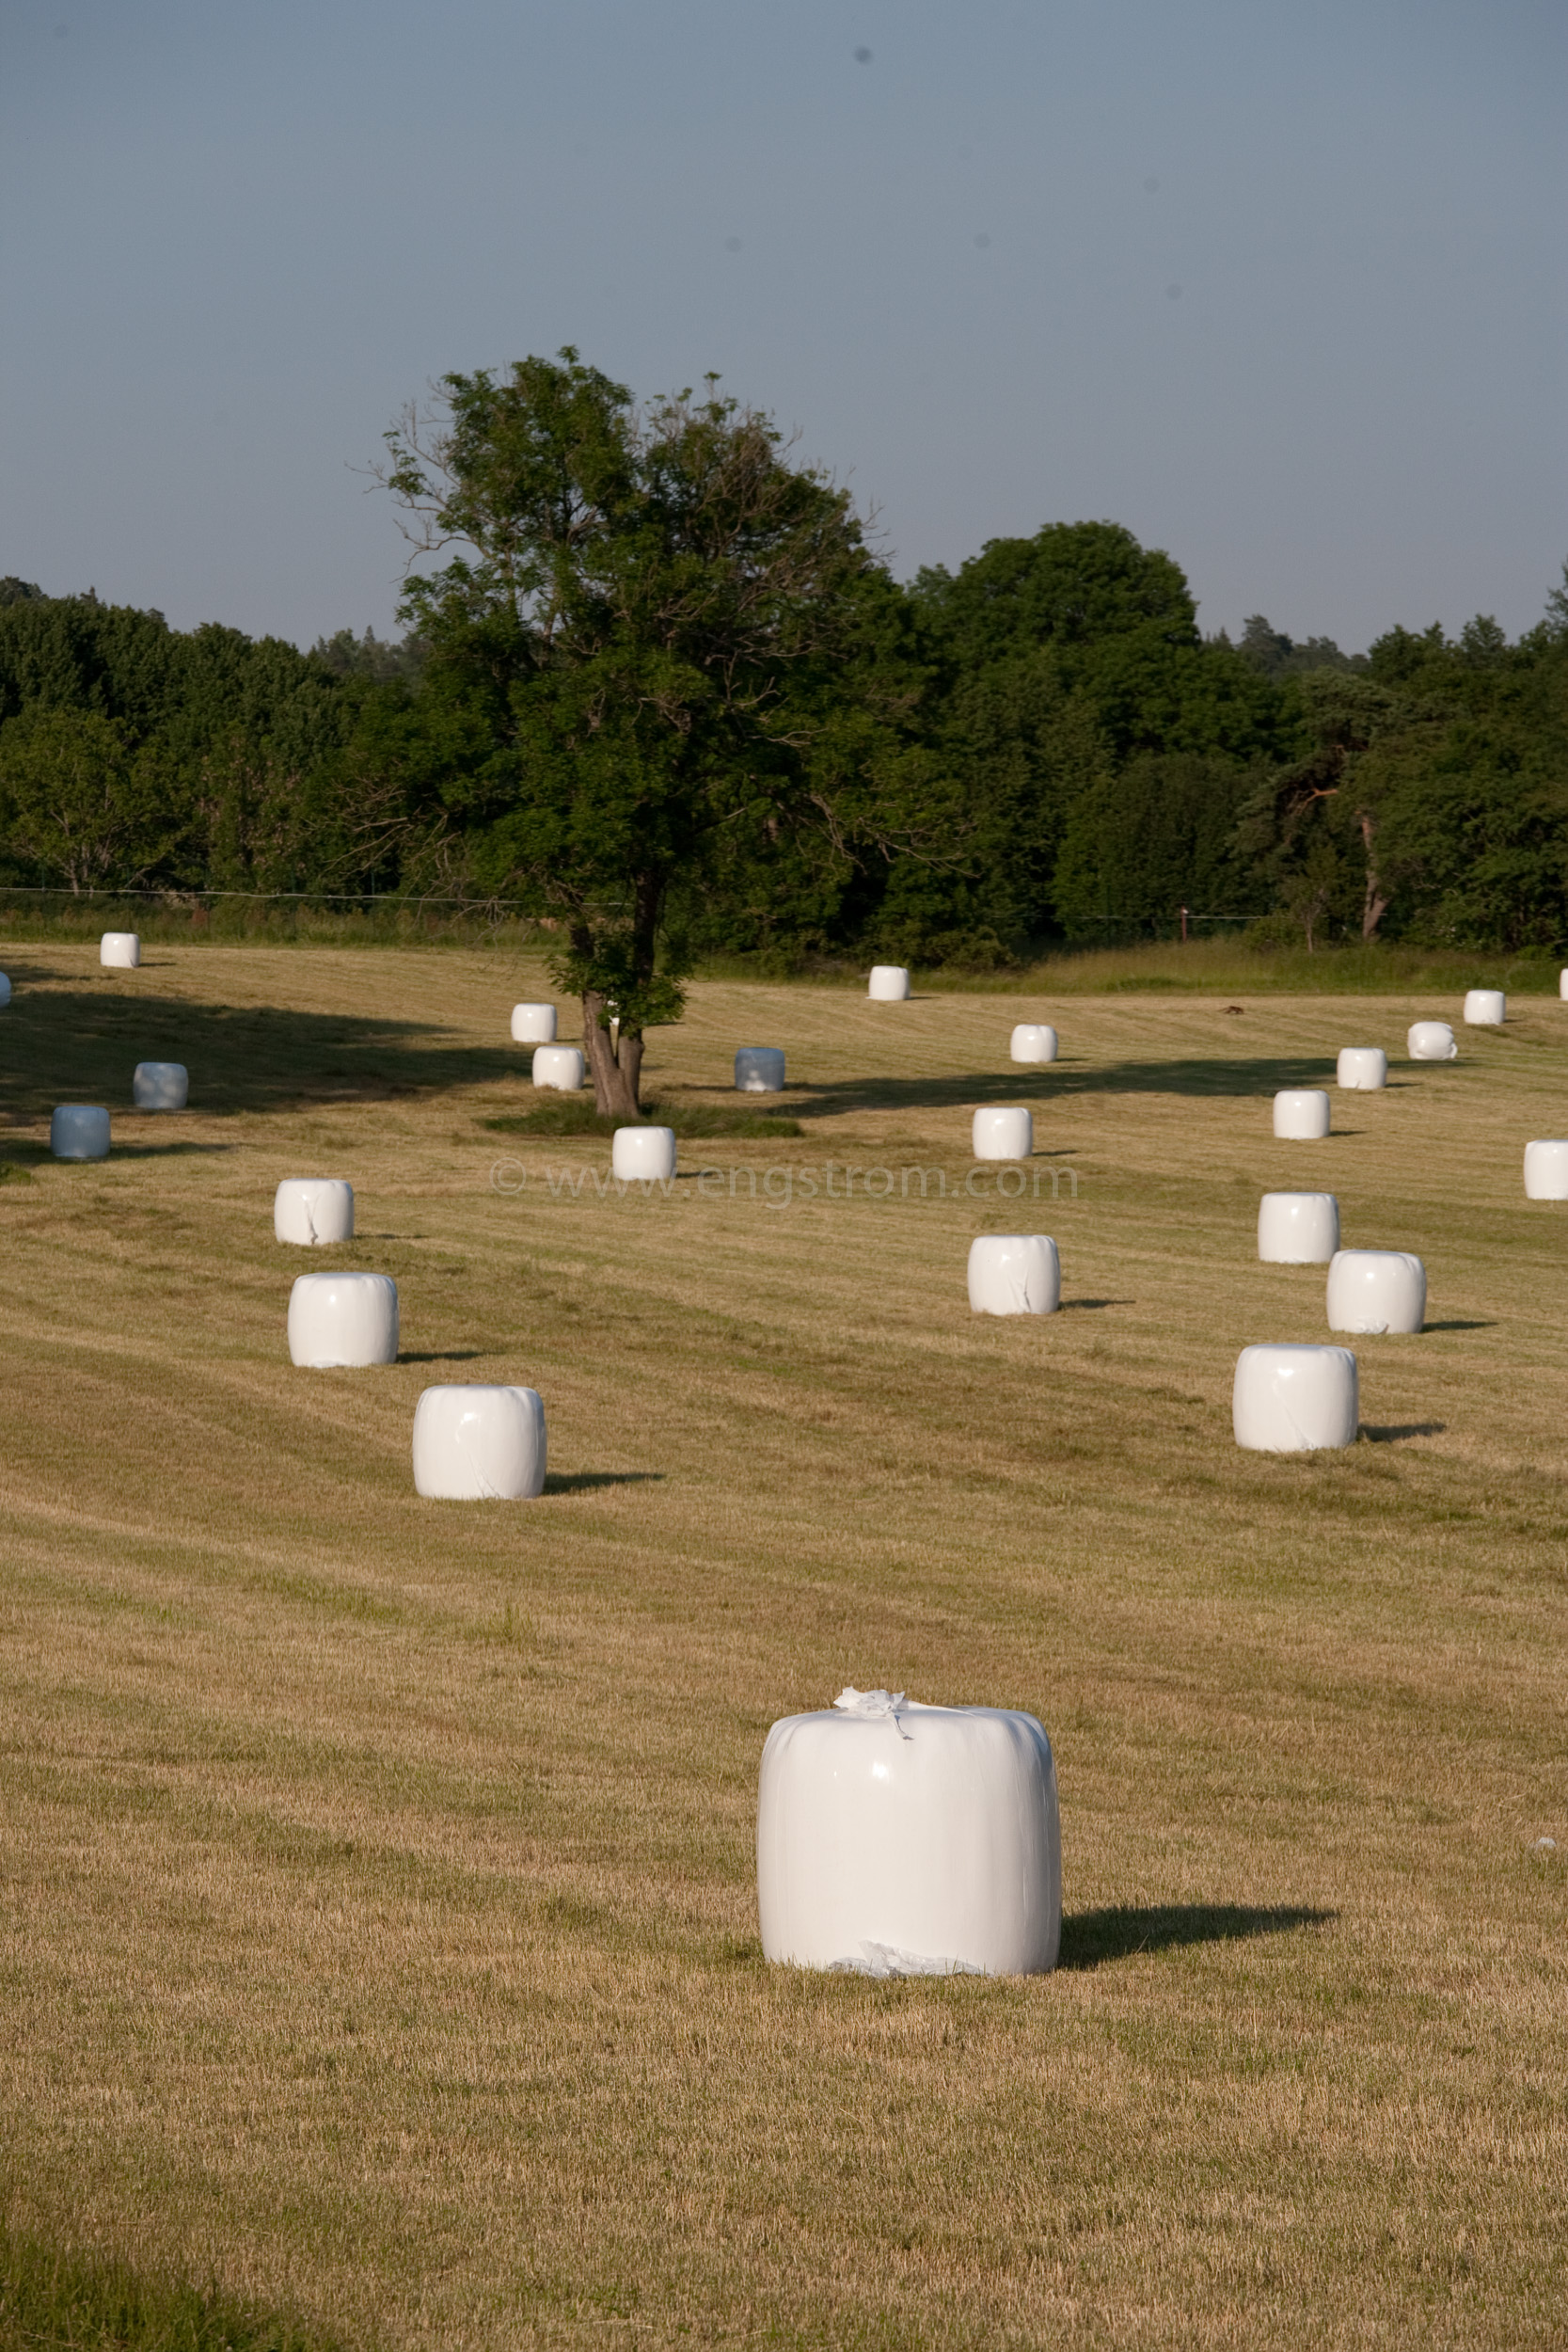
column 78, row 802
column 1154, row 836
column 649, row 636
column 657, row 692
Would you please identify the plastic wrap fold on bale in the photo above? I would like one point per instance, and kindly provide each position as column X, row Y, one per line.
column 642, row 1155
column 340, row 1322
column 1430, row 1041
column 1485, row 1008
column 479, row 1444
column 1033, row 1041
column 1301, row 1114
column 558, row 1066
column 889, row 983
column 1014, row 1274
column 1296, row 1400
column 160, row 1085
column 1004, row 1132
column 1361, row 1068
column 1546, row 1170
column 313, row 1209
column 1298, row 1228
column 119, row 949
column 79, row 1131
column 759, row 1070
column 897, row 1839
column 533, row 1024
column 1372, row 1291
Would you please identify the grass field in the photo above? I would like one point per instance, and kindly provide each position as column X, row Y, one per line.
column 378, row 1940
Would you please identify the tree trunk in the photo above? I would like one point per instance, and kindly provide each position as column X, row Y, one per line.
column 1375, row 904
column 616, row 1064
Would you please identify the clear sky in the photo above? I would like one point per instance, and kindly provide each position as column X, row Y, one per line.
column 1278, row 284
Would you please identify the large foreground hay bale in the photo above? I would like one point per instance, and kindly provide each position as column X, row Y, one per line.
column 901, row 1839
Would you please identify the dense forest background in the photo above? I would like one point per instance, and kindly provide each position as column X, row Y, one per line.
column 1086, row 762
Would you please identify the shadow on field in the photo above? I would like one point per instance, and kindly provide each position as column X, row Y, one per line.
column 1089, row 1938
column 1087, row 1305
column 26, row 1151
column 1459, row 1326
column 1389, row 1433
column 587, row 1482
column 81, row 1045
column 1056, row 1081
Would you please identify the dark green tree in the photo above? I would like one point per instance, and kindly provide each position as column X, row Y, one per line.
column 647, row 642
column 78, row 802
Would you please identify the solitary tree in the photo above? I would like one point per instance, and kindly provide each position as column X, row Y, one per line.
column 648, row 608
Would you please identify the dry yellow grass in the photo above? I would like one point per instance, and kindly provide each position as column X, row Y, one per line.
column 378, row 1927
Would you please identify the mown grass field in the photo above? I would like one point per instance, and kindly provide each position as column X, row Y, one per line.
column 378, row 1942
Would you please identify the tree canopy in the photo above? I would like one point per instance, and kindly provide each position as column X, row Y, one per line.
column 658, row 687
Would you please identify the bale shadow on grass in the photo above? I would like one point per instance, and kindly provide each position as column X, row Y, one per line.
column 1122, row 1930
column 441, row 1356
column 1085, row 1306
column 589, row 1482
column 1459, row 1326
column 1389, row 1433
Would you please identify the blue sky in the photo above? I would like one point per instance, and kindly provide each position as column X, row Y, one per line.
column 1279, row 287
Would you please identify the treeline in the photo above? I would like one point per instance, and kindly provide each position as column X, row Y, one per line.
column 1076, row 762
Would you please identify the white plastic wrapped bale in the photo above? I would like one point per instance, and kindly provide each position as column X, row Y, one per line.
column 889, row 983
column 759, row 1070
column 1361, row 1068
column 79, row 1131
column 1430, row 1041
column 558, row 1066
column 1301, row 1114
column 4, row 990
column 1546, row 1170
column 1563, row 981
column 477, row 1444
column 160, row 1085
column 1033, row 1041
column 896, row 1839
column 1296, row 1400
column 533, row 1024
column 1005, row 1132
column 1485, row 1008
column 1298, row 1228
column 1371, row 1291
column 1014, row 1274
column 312, row 1210
column 642, row 1155
column 344, row 1320
column 121, row 949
